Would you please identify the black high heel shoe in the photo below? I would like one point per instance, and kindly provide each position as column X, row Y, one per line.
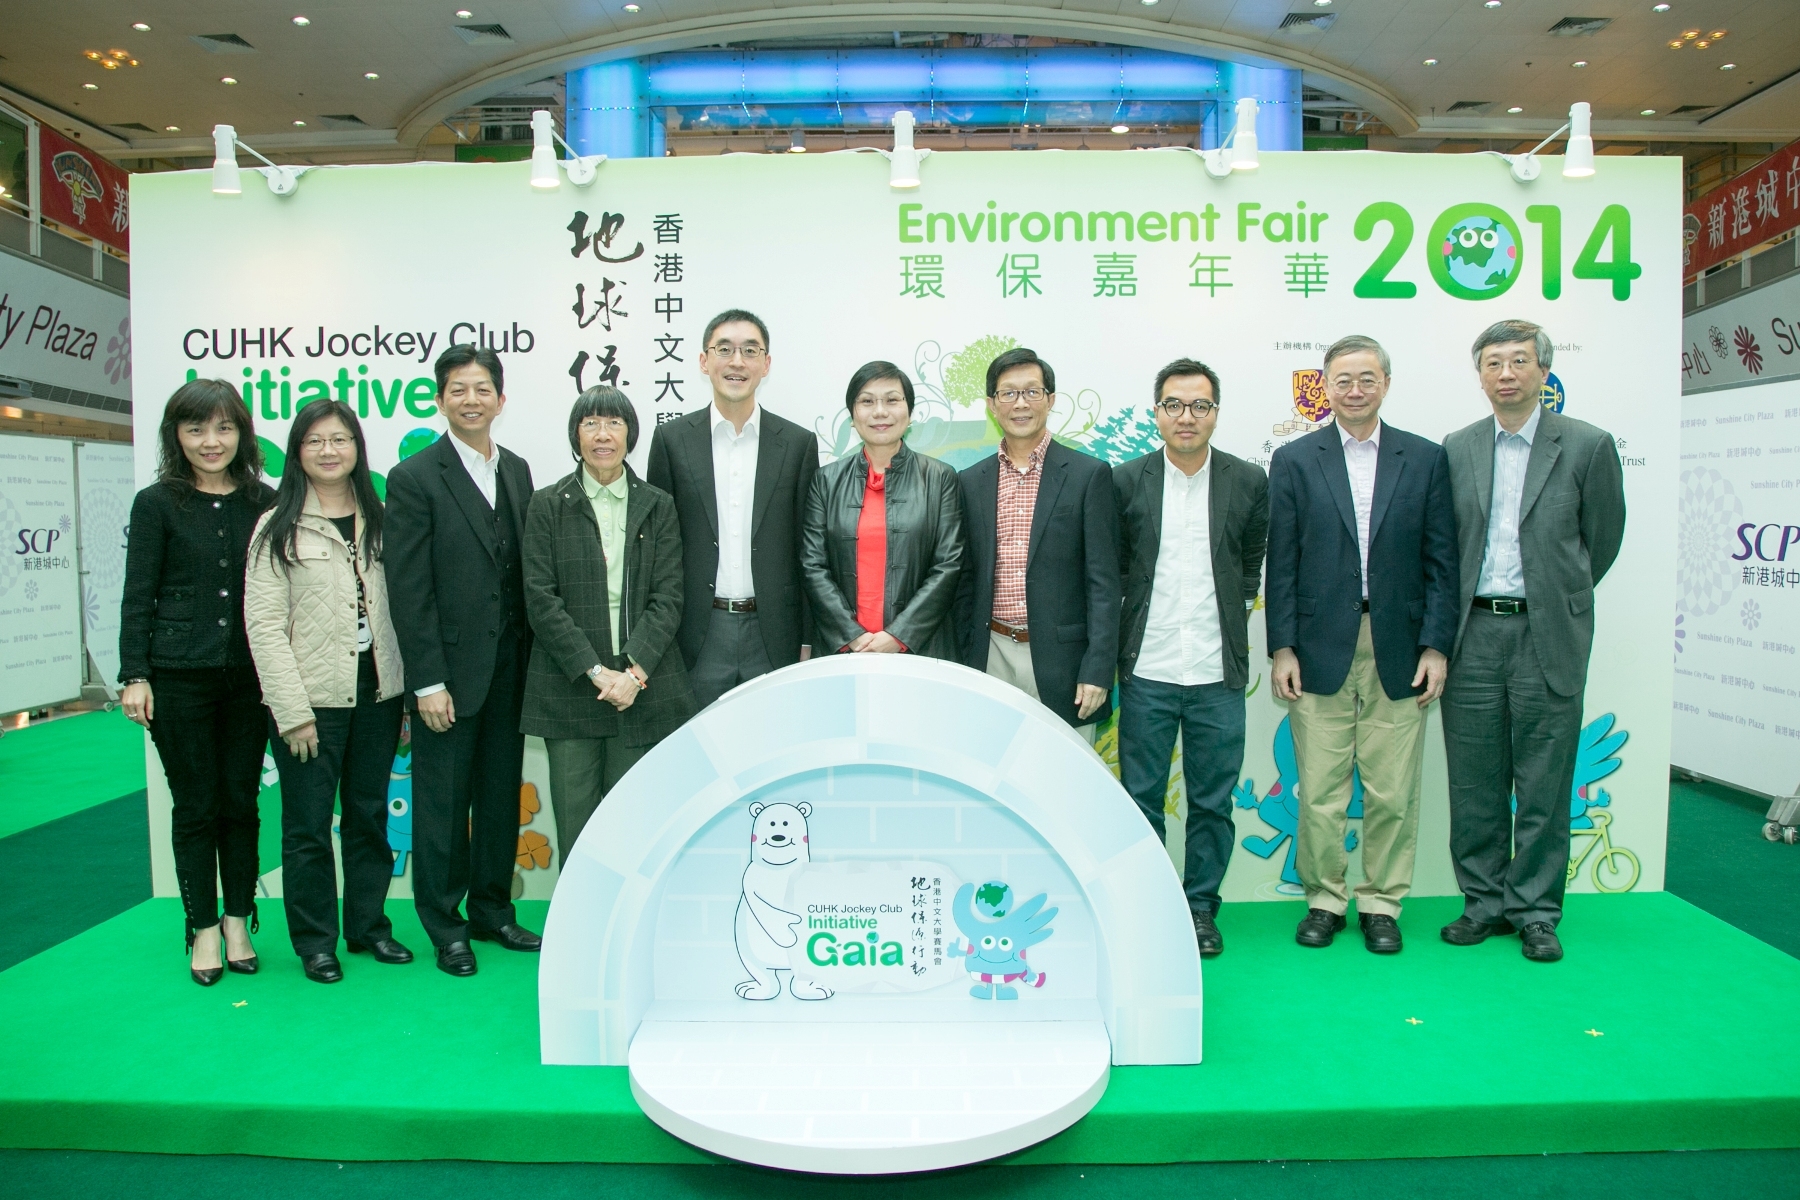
column 243, row 966
column 204, row 976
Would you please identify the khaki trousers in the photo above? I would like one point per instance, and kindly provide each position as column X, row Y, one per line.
column 1010, row 662
column 1358, row 727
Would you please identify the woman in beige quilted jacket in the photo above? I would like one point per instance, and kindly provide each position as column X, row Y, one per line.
column 316, row 609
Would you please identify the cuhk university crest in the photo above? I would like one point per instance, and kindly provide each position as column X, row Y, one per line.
column 1311, row 408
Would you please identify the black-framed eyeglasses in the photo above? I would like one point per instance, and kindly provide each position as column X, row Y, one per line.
column 1202, row 409
column 1029, row 395
column 727, row 351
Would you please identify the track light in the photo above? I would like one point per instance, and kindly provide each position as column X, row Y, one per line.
column 1238, row 152
column 797, row 142
column 544, row 140
column 1578, row 157
column 226, row 180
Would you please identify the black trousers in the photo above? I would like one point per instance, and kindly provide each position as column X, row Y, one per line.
column 466, row 807
column 1210, row 719
column 733, row 653
column 355, row 758
column 1507, row 736
column 210, row 732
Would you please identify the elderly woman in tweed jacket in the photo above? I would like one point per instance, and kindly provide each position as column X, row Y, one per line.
column 603, row 590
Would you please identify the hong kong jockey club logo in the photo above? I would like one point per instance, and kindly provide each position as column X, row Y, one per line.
column 79, row 176
column 1311, row 408
column 1552, row 396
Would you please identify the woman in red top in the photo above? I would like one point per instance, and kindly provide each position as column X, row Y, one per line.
column 883, row 542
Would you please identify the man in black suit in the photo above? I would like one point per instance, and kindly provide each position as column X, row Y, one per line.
column 1194, row 522
column 1362, row 609
column 455, row 521
column 740, row 476
column 1039, row 598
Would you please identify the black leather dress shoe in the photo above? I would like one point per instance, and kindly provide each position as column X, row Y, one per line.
column 206, row 976
column 1541, row 942
column 1467, row 931
column 385, row 950
column 455, row 958
column 242, row 966
column 510, row 937
column 322, row 967
column 1318, row 927
column 1381, row 933
column 1206, row 933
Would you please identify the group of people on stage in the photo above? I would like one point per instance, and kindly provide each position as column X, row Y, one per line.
column 603, row 611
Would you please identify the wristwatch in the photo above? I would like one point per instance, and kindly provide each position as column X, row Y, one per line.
column 594, row 672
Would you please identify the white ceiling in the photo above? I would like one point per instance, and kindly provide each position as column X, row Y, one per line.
column 1373, row 54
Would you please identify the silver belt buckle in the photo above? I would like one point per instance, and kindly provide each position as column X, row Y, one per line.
column 1505, row 606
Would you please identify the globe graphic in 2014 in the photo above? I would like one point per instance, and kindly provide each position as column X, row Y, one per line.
column 1480, row 254
column 993, row 900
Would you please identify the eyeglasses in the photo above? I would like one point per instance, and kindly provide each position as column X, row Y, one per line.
column 337, row 441
column 1201, row 408
column 592, row 425
column 1517, row 362
column 870, row 403
column 1031, row 395
column 1343, row 383
column 727, row 351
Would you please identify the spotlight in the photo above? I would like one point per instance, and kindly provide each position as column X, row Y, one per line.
column 544, row 139
column 1578, row 157
column 904, row 159
column 1431, row 62
column 140, row 27
column 797, row 142
column 302, row 22
column 227, row 80
column 1121, row 129
column 226, row 181
column 171, row 129
column 370, row 75
column 90, row 87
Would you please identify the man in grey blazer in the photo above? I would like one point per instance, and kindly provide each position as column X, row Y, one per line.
column 1540, row 515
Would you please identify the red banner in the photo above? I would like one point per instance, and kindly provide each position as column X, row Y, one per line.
column 82, row 190
column 1760, row 204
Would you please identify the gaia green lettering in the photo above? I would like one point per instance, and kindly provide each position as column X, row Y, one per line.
column 824, row 950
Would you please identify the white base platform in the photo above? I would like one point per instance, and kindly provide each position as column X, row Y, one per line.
column 867, row 1098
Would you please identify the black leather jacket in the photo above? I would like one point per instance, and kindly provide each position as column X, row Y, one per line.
column 924, row 551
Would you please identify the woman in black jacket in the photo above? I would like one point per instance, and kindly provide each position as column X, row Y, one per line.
column 603, row 591
column 185, row 660
column 883, row 540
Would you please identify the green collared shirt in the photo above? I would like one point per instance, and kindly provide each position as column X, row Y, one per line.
column 609, row 501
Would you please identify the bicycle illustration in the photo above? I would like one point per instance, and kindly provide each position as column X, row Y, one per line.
column 1616, row 869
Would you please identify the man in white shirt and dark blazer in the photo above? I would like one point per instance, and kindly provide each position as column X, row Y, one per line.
column 1193, row 524
column 1540, row 517
column 740, row 476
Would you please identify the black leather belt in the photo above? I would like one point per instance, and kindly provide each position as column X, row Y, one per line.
column 1365, row 606
column 1017, row 633
column 736, row 606
column 1506, row 606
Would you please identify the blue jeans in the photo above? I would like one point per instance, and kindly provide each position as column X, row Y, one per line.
column 1210, row 718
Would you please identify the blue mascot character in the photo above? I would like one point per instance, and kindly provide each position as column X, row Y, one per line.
column 1280, row 808
column 399, row 826
column 998, row 935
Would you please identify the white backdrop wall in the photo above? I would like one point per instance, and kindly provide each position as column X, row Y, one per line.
column 1108, row 264
column 40, row 593
column 1737, row 655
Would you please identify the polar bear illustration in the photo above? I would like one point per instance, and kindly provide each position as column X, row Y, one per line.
column 766, row 929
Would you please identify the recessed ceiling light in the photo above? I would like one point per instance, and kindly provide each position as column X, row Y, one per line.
column 1492, row 4
column 227, row 79
column 1121, row 129
column 1321, row 3
column 1702, row 44
column 370, row 75
column 299, row 124
column 171, row 129
column 1727, row 66
column 90, row 87
column 1659, row 8
column 140, row 27
column 1675, row 45
column 632, row 8
column 1646, row 112
column 1148, row 3
column 463, row 14
column 1431, row 62
column 302, row 21
column 1690, row 34
column 1716, row 34
column 1580, row 62
column 1515, row 109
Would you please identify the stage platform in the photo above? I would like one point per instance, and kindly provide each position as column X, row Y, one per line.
column 1664, row 1029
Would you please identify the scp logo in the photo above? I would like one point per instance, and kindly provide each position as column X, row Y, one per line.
column 37, row 541
column 1769, row 543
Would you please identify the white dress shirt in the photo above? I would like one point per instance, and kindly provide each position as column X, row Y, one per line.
column 1502, row 569
column 484, row 471
column 1183, row 643
column 1359, row 460
column 734, row 482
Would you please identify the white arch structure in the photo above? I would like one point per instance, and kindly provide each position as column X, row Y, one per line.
column 596, row 982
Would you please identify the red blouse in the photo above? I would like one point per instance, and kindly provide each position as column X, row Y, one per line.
column 871, row 554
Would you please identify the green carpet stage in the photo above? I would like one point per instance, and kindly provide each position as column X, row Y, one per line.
column 1664, row 1029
